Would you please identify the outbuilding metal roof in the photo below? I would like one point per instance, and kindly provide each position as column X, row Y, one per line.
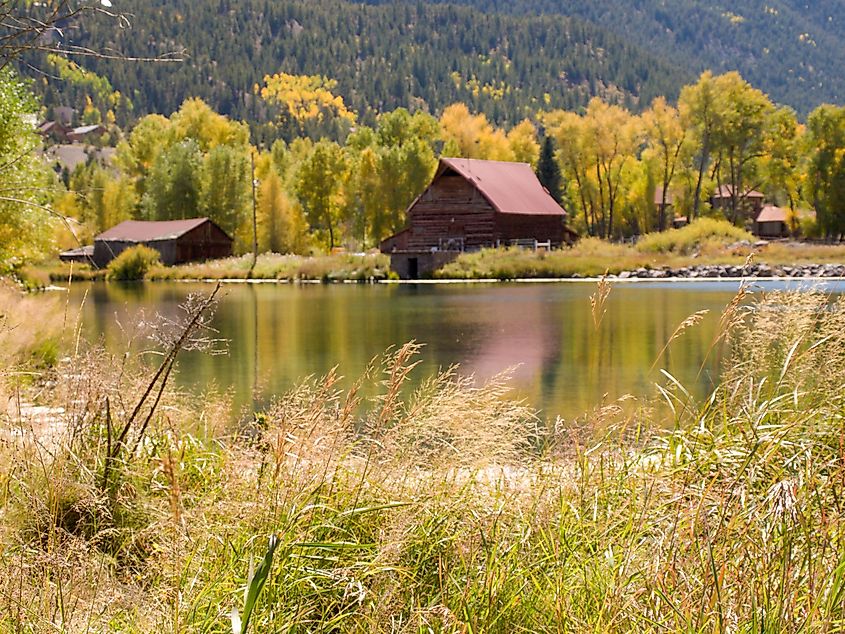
column 148, row 230
column 512, row 188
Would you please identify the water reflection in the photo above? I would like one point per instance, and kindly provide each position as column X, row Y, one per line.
column 279, row 334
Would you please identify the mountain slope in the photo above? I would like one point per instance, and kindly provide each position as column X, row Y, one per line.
column 425, row 56
column 793, row 49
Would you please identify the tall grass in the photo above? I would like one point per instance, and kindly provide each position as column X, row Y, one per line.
column 705, row 241
column 589, row 257
column 444, row 508
column 273, row 266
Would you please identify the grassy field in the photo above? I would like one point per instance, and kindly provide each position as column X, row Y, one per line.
column 128, row 507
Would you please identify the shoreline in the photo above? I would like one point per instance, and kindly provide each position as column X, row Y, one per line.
column 472, row 281
column 686, row 274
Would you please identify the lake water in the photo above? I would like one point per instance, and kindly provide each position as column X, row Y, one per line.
column 564, row 365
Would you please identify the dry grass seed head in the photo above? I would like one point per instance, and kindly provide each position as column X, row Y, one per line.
column 599, row 299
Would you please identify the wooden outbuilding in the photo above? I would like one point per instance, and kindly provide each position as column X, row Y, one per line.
column 85, row 255
column 771, row 222
column 54, row 130
column 177, row 241
column 471, row 204
column 86, row 133
column 749, row 202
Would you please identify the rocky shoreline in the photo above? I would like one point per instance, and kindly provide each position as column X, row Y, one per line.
column 715, row 271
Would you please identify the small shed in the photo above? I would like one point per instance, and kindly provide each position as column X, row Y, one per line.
column 471, row 204
column 771, row 222
column 177, row 241
column 82, row 254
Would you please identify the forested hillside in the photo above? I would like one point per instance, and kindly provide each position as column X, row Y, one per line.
column 792, row 49
column 419, row 56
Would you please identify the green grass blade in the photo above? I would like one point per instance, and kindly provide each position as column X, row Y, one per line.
column 256, row 584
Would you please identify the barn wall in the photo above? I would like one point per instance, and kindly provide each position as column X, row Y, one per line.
column 771, row 229
column 206, row 242
column 530, row 227
column 451, row 209
column 425, row 263
column 107, row 250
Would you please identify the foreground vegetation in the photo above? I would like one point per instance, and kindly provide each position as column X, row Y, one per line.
column 443, row 509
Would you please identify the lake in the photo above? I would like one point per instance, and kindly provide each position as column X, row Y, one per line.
column 563, row 365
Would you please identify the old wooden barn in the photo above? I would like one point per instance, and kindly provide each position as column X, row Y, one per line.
column 177, row 241
column 471, row 204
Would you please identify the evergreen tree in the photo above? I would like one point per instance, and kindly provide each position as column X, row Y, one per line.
column 548, row 170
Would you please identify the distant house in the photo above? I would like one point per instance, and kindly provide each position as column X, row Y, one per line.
column 86, row 133
column 750, row 201
column 659, row 204
column 54, row 130
column 177, row 241
column 771, row 222
column 471, row 204
column 668, row 209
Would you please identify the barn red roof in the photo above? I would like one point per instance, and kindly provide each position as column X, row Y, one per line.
column 770, row 213
column 512, row 188
column 147, row 230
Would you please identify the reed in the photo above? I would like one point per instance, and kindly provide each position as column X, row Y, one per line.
column 444, row 508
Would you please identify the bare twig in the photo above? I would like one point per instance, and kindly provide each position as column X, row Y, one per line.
column 29, row 29
column 198, row 310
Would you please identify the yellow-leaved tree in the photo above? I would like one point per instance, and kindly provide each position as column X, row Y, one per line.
column 306, row 97
column 282, row 227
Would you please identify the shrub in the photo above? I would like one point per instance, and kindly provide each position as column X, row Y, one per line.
column 691, row 237
column 133, row 264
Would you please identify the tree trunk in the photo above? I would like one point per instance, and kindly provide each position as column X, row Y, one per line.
column 702, row 165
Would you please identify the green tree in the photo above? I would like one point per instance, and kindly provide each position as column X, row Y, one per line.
column 25, row 226
column 740, row 137
column 548, row 170
column 780, row 165
column 825, row 186
column 665, row 139
column 173, row 186
column 698, row 111
column 225, row 187
column 319, row 186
